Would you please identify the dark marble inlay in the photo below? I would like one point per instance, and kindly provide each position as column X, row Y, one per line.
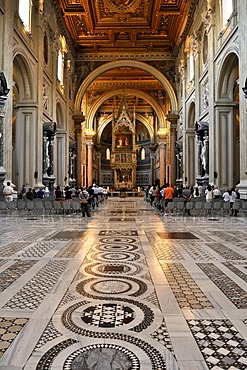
column 118, row 232
column 117, row 239
column 108, row 315
column 176, row 235
column 102, row 356
column 115, row 268
column 68, row 235
column 112, row 247
column 123, row 219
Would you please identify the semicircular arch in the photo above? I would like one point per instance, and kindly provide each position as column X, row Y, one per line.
column 23, row 76
column 154, row 104
column 126, row 63
column 227, row 75
column 142, row 119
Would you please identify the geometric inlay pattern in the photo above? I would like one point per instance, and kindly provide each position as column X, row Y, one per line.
column 196, row 251
column 233, row 292
column 105, row 356
column 225, row 252
column 236, row 271
column 155, row 357
column 8, row 276
column 33, row 293
column 48, row 335
column 70, row 250
column 220, row 343
column 148, row 317
column 108, row 315
column 185, row 289
column 9, row 329
column 12, row 249
column 46, row 361
column 166, row 251
column 38, row 250
column 162, row 336
column 226, row 237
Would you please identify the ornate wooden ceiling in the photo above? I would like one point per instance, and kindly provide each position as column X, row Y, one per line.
column 121, row 25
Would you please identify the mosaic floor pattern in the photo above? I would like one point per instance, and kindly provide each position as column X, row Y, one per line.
column 127, row 289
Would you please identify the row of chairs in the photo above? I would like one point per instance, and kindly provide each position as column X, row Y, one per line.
column 198, row 207
column 42, row 206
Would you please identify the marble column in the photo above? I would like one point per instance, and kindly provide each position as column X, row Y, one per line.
column 79, row 120
column 172, row 118
column 162, row 163
column 199, row 163
column 99, row 168
column 2, row 169
column 89, row 163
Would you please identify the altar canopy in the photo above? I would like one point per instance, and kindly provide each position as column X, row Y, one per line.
column 123, row 158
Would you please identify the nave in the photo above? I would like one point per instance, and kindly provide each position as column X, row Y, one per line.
column 125, row 289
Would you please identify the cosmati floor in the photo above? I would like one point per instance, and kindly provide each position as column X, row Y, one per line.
column 126, row 289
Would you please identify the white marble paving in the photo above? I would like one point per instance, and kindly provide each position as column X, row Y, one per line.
column 137, row 279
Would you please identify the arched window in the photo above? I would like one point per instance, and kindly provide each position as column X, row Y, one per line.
column 60, row 60
column 143, row 154
column 108, row 154
column 25, row 10
column 227, row 9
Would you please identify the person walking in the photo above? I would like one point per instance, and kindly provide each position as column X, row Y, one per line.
column 8, row 192
column 84, row 196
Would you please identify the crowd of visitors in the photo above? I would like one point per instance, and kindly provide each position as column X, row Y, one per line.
column 89, row 197
column 159, row 197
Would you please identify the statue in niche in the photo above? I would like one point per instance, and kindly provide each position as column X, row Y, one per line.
column 126, row 141
column 203, row 156
column 45, row 97
column 120, row 141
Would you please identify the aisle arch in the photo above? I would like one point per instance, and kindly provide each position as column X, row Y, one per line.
column 126, row 63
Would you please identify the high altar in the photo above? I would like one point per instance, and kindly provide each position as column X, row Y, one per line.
column 123, row 156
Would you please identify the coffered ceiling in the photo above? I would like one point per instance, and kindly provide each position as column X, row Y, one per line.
column 120, row 25
column 147, row 30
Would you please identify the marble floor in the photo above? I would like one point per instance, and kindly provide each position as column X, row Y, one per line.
column 128, row 288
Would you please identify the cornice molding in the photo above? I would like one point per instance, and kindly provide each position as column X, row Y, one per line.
column 105, row 57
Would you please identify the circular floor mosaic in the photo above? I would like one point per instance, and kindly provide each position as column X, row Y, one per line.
column 111, row 287
column 116, row 247
column 118, row 256
column 102, row 356
column 117, row 239
column 111, row 268
column 108, row 315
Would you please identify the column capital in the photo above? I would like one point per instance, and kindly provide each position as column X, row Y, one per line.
column 172, row 117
